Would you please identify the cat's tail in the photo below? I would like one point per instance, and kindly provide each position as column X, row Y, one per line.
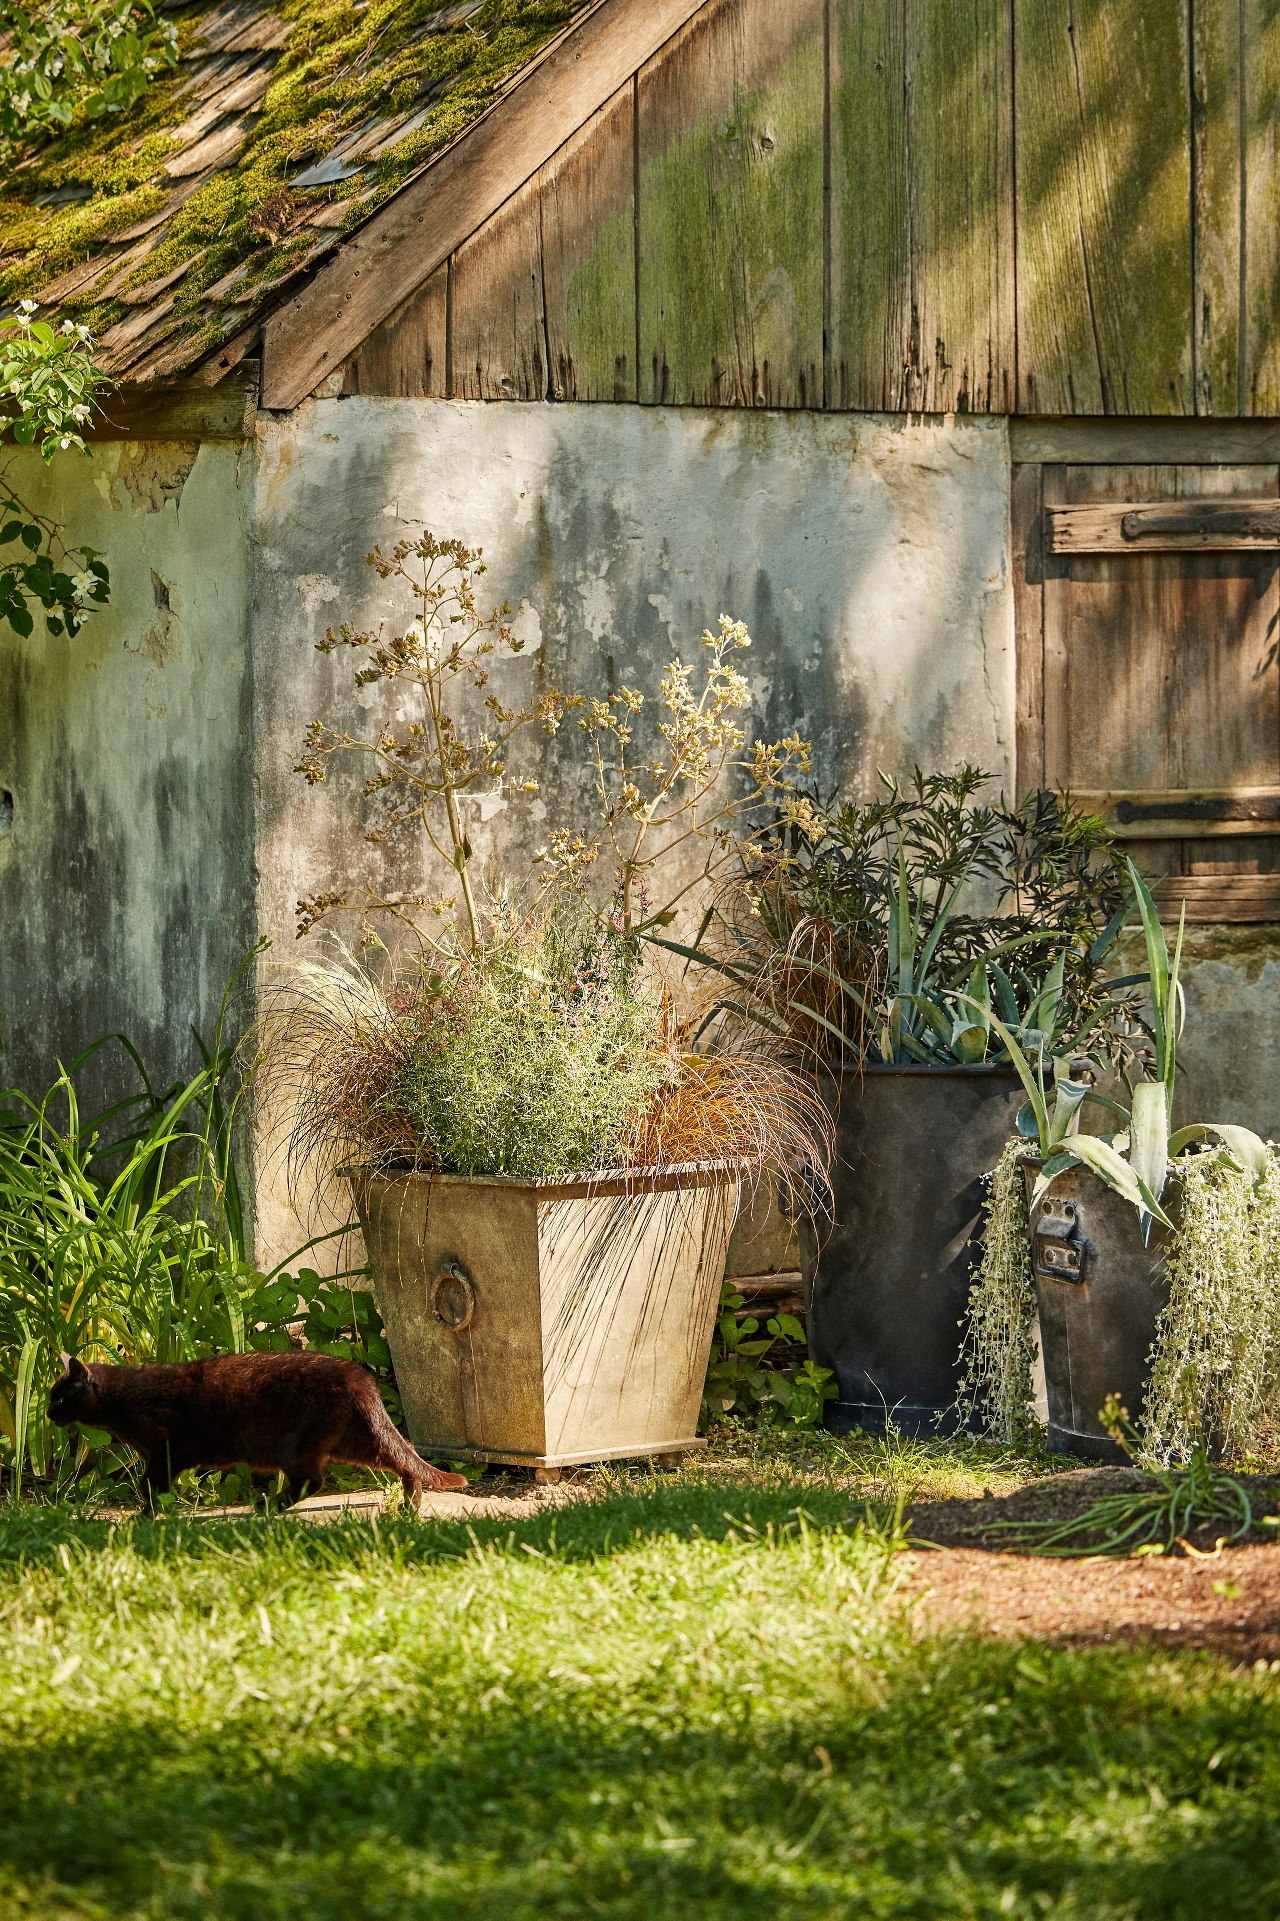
column 395, row 1453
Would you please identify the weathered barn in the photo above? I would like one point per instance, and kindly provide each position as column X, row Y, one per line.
column 941, row 345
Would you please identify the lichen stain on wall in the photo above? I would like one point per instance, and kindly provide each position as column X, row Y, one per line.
column 125, row 885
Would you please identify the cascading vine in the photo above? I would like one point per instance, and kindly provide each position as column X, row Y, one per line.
column 1215, row 1362
column 999, row 1347
column 1216, row 1359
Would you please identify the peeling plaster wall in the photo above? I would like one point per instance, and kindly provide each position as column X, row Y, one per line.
column 126, row 860
column 867, row 556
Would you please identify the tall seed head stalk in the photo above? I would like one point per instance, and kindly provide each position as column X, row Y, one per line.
column 427, row 765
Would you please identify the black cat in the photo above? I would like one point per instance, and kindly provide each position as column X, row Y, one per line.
column 292, row 1412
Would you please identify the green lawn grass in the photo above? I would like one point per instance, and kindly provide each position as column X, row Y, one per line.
column 691, row 1695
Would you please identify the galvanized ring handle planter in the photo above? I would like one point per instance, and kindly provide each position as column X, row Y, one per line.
column 1099, row 1292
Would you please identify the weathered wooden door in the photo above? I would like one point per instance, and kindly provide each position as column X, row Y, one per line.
column 1160, row 676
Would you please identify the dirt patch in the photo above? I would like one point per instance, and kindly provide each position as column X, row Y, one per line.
column 1224, row 1598
column 1230, row 1602
column 986, row 1523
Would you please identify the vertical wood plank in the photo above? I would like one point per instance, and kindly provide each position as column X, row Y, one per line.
column 960, row 351
column 1057, row 730
column 1103, row 207
column 870, row 253
column 588, row 258
column 1260, row 381
column 499, row 341
column 1216, row 226
column 730, row 231
column 1026, row 516
column 922, row 242
column 406, row 354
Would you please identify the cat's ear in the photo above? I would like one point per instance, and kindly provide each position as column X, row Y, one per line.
column 73, row 1369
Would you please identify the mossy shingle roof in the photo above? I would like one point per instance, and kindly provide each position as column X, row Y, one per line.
column 170, row 229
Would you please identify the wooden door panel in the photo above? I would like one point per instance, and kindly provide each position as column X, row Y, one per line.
column 1158, row 679
column 1160, row 669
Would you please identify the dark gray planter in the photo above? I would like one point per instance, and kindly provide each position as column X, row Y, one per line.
column 887, row 1282
column 1100, row 1292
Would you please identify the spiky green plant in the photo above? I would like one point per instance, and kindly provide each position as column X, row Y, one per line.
column 121, row 1239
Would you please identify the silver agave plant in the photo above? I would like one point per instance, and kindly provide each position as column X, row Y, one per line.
column 1134, row 1161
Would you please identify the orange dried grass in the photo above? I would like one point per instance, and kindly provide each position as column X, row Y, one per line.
column 752, row 1113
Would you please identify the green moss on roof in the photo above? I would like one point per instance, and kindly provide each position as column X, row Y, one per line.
column 342, row 66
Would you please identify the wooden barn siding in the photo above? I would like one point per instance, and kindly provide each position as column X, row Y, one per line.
column 1034, row 206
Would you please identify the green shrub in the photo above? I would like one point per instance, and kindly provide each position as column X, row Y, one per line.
column 537, row 1054
column 121, row 1240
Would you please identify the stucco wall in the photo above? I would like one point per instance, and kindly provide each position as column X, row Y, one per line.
column 867, row 557
column 1231, row 1041
column 125, row 881
column 157, row 824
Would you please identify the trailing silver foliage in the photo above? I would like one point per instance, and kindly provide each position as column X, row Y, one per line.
column 1215, row 1362
column 999, row 1347
column 1216, row 1359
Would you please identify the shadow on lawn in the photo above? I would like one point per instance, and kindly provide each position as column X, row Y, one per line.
column 926, row 1810
column 603, row 1524
column 966, row 1779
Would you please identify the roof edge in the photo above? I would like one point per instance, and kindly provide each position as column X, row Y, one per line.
column 309, row 335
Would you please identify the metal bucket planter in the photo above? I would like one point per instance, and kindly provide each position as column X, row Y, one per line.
column 1100, row 1292
column 888, row 1280
column 549, row 1323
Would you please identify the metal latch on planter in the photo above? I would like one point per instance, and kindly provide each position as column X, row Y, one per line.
column 1059, row 1251
column 453, row 1303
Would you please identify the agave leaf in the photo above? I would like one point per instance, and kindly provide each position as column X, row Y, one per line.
column 944, row 915
column 1175, row 1009
column 1067, row 1098
column 1054, row 1165
column 1247, row 1149
column 1149, row 1135
column 1110, row 933
column 902, row 962
column 1005, row 995
column 1031, row 1081
column 916, row 1050
column 1120, row 1176
column 1044, row 1010
column 936, row 1016
column 1157, row 965
column 969, row 1043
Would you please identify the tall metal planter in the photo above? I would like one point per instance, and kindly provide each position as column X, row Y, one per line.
column 547, row 1323
column 1100, row 1292
column 887, row 1281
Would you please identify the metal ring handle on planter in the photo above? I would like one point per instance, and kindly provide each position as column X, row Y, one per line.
column 453, row 1297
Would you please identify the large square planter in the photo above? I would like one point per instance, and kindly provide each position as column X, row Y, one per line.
column 548, row 1323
